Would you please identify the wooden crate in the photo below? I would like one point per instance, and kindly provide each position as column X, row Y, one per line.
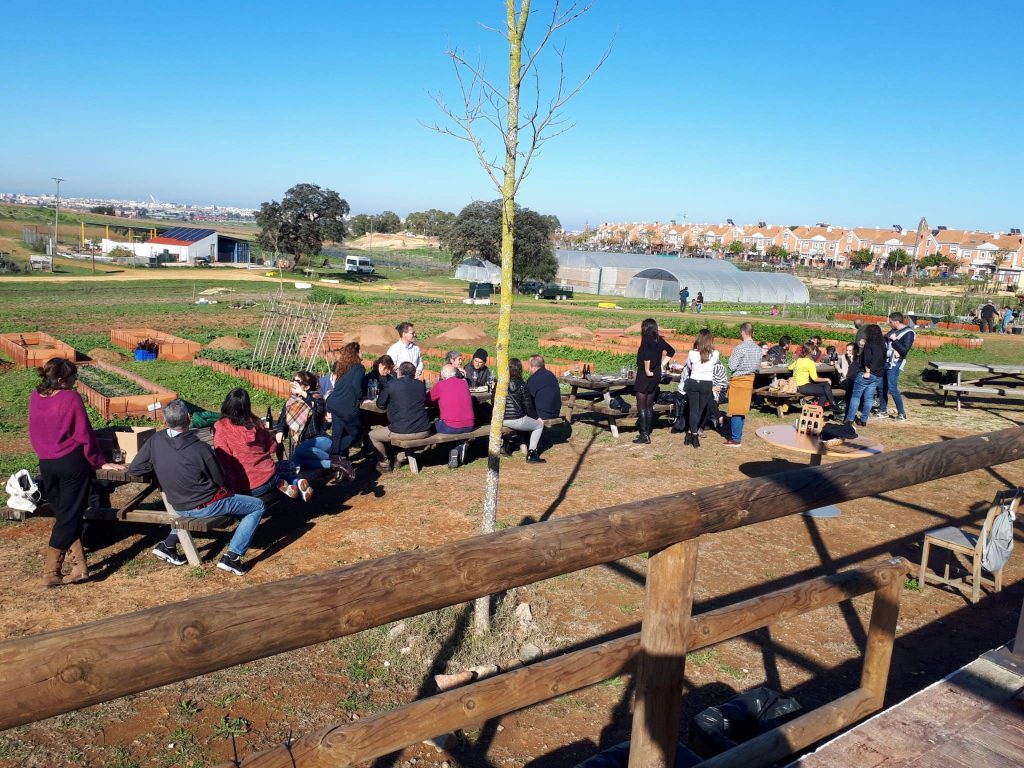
column 32, row 349
column 170, row 347
column 127, row 405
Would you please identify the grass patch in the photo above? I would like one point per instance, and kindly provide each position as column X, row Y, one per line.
column 229, row 727
column 911, row 584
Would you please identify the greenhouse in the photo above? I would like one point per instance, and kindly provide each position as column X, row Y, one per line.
column 477, row 270
column 662, row 277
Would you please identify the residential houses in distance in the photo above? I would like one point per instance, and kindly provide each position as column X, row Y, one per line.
column 970, row 253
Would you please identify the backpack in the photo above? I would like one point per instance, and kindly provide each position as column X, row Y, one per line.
column 23, row 492
column 997, row 546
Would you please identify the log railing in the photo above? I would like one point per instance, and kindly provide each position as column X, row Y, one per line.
column 67, row 669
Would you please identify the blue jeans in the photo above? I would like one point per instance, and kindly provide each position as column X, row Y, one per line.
column 863, row 389
column 444, row 429
column 314, row 453
column 245, row 507
column 890, row 386
column 736, row 428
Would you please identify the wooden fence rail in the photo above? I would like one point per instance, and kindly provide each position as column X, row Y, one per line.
column 67, row 669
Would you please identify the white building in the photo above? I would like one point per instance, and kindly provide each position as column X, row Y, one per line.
column 180, row 246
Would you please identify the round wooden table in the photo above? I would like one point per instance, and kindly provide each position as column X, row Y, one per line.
column 786, row 436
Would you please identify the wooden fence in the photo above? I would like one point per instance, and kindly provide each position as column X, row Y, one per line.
column 67, row 669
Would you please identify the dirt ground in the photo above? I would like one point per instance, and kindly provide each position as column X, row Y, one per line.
column 815, row 657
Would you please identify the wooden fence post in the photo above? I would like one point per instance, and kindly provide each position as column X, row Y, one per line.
column 664, row 638
column 885, row 610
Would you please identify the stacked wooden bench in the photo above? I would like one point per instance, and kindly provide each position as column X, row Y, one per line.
column 411, row 446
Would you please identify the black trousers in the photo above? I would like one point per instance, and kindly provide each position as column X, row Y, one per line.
column 67, row 483
column 698, row 395
column 821, row 390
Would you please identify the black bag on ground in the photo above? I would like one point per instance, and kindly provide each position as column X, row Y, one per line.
column 619, row 404
column 618, row 757
column 741, row 718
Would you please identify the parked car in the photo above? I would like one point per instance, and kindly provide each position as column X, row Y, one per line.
column 359, row 265
column 531, row 286
column 555, row 291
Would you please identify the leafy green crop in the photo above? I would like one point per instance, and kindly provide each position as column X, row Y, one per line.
column 107, row 382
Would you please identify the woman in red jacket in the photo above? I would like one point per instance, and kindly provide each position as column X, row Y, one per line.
column 245, row 448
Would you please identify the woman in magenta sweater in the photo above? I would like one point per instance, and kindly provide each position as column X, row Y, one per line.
column 60, row 433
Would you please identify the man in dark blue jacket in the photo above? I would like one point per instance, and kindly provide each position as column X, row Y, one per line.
column 543, row 388
column 404, row 399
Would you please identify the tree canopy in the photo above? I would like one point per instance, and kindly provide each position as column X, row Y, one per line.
column 384, row 223
column 861, row 258
column 737, row 247
column 935, row 260
column 300, row 223
column 897, row 259
column 433, row 223
column 477, row 232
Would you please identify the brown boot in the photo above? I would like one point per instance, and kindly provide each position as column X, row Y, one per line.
column 51, row 568
column 79, row 568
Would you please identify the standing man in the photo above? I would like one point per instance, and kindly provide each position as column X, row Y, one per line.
column 684, row 298
column 406, row 350
column 898, row 342
column 193, row 481
column 988, row 317
column 542, row 387
column 861, row 333
column 743, row 362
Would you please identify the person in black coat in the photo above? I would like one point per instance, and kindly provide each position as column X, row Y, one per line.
column 648, row 376
column 870, row 367
column 404, row 399
column 343, row 406
column 520, row 414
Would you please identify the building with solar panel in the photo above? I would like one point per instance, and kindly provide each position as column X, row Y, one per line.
column 185, row 247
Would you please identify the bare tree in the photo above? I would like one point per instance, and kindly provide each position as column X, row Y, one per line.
column 487, row 109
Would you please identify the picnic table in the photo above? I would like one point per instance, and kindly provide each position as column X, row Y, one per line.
column 597, row 394
column 1001, row 380
column 479, row 395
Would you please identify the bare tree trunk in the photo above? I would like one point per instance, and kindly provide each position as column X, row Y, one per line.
column 516, row 30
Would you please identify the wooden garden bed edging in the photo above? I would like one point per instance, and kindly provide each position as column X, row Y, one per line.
column 31, row 349
column 275, row 385
column 170, row 347
column 63, row 670
column 126, row 405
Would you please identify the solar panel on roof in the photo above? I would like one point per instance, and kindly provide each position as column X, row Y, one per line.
column 190, row 234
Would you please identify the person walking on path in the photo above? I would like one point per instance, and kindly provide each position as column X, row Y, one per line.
column 866, row 374
column 64, row 441
column 652, row 350
column 684, row 298
column 743, row 362
column 898, row 341
column 699, row 372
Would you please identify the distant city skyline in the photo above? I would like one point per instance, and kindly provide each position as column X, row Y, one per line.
column 791, row 113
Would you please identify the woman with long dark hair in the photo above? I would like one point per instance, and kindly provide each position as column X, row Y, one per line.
column 870, row 367
column 244, row 449
column 63, row 439
column 648, row 376
column 343, row 406
column 700, row 373
column 520, row 414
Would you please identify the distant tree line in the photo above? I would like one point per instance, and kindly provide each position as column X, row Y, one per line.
column 106, row 210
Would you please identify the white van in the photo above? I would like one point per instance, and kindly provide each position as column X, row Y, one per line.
column 359, row 265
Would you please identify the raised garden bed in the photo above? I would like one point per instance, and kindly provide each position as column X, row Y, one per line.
column 116, row 392
column 169, row 347
column 32, row 349
column 272, row 384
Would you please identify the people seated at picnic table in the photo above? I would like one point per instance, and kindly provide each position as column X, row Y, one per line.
column 193, row 481
column 542, row 386
column 779, row 354
column 477, row 374
column 404, row 400
column 245, row 449
column 406, row 350
column 520, row 413
column 456, row 406
column 805, row 376
column 846, row 369
column 64, row 441
column 817, row 349
column 343, row 408
column 382, row 371
column 303, row 420
column 454, row 358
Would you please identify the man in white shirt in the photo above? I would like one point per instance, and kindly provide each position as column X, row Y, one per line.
column 406, row 350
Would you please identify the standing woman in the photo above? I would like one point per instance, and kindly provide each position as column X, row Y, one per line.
column 343, row 406
column 62, row 437
column 701, row 363
column 648, row 376
column 869, row 369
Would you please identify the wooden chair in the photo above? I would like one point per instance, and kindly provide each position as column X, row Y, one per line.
column 959, row 543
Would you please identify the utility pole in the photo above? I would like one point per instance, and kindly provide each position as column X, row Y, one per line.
column 56, row 213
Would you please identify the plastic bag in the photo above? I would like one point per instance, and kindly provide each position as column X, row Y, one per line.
column 743, row 717
column 23, row 492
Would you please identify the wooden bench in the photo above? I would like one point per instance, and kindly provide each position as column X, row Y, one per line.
column 781, row 401
column 612, row 415
column 425, row 443
column 970, row 389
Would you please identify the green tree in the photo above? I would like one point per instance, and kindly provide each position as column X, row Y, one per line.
column 106, row 210
column 736, row 247
column 360, row 224
column 485, row 105
column 387, row 222
column 897, row 259
column 433, row 223
column 477, row 232
column 935, row 260
column 776, row 252
column 306, row 217
column 120, row 253
column 861, row 258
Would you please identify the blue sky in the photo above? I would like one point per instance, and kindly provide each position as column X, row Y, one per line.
column 867, row 113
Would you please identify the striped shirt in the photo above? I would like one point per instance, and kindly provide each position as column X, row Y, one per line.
column 745, row 358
